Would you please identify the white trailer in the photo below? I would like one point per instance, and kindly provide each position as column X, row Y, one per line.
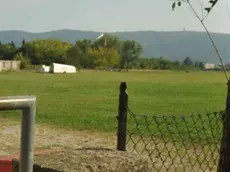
column 62, row 68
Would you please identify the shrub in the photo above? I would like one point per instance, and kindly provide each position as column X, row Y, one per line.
column 25, row 62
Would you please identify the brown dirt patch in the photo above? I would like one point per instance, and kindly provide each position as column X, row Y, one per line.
column 90, row 160
column 83, row 151
column 49, row 137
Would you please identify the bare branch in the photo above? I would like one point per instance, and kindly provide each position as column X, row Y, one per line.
column 194, row 11
column 206, row 29
column 214, row 2
column 213, row 43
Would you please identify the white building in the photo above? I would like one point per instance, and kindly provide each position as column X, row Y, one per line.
column 209, row 66
column 8, row 65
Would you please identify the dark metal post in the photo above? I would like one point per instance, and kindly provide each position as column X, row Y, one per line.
column 28, row 105
column 122, row 117
column 224, row 160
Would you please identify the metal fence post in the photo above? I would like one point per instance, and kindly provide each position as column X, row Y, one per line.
column 122, row 117
column 28, row 105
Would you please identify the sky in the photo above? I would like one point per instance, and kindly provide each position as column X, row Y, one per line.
column 109, row 15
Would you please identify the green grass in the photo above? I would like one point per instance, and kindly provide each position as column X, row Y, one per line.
column 88, row 100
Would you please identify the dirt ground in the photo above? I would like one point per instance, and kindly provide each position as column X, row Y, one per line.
column 89, row 160
column 80, row 151
column 47, row 137
column 90, row 147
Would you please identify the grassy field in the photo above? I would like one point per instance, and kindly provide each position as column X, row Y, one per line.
column 88, row 100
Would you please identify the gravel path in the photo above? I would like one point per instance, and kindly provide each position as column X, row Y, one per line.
column 48, row 137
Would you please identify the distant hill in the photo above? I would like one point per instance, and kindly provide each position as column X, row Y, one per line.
column 171, row 45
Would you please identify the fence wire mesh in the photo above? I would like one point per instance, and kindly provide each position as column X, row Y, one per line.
column 189, row 143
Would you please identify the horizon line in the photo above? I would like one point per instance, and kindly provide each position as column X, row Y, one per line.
column 129, row 31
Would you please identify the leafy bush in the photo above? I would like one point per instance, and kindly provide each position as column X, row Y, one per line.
column 25, row 62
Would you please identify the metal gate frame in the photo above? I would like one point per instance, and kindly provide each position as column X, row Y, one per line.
column 28, row 106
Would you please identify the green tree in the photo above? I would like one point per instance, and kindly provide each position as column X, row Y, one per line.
column 176, row 64
column 13, row 45
column 84, row 45
column 130, row 51
column 46, row 51
column 201, row 65
column 104, row 57
column 7, row 51
column 75, row 56
column 23, row 41
column 188, row 62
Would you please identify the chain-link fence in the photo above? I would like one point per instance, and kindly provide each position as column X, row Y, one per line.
column 188, row 143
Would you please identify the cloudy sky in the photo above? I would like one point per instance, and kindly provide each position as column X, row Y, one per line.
column 108, row 15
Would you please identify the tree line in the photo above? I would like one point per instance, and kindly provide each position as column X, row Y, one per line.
column 106, row 52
